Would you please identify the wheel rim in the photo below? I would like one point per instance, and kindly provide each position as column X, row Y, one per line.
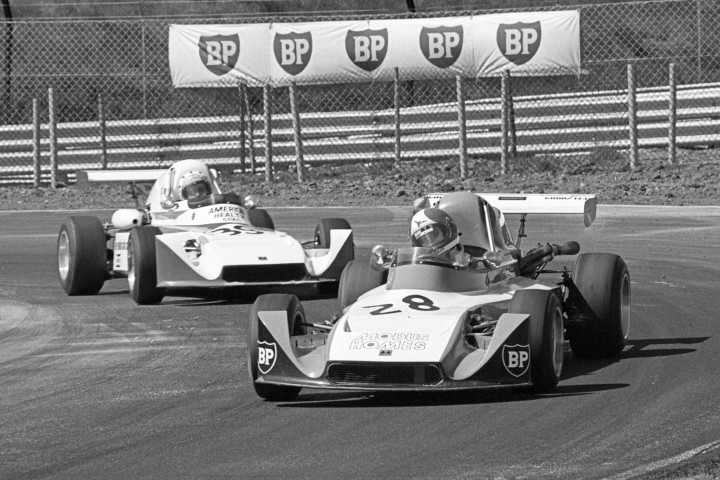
column 64, row 255
column 625, row 306
column 131, row 267
column 558, row 342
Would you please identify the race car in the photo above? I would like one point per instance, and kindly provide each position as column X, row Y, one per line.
column 413, row 319
column 190, row 239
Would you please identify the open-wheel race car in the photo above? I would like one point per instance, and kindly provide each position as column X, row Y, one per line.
column 437, row 316
column 190, row 239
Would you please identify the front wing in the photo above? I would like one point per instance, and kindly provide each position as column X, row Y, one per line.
column 303, row 361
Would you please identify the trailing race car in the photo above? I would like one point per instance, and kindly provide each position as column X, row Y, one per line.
column 190, row 237
column 438, row 316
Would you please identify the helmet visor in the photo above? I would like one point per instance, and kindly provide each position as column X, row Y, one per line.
column 430, row 236
column 195, row 190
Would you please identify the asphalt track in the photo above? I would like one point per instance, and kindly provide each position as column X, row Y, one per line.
column 97, row 387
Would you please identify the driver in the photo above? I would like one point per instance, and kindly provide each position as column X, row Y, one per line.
column 194, row 185
column 435, row 229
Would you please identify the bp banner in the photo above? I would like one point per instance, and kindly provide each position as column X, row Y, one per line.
column 526, row 43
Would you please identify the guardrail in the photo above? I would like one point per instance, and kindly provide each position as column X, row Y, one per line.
column 543, row 124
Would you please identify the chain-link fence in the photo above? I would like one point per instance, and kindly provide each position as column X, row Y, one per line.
column 98, row 94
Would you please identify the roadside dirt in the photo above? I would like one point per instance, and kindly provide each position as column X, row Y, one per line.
column 693, row 180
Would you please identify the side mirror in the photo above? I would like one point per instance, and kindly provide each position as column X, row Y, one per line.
column 379, row 257
column 251, row 201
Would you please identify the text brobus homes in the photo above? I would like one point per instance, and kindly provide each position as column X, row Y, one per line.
column 529, row 43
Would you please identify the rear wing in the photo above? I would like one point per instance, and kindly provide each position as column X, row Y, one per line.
column 86, row 177
column 525, row 203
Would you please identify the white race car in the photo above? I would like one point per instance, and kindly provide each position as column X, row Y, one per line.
column 412, row 319
column 189, row 247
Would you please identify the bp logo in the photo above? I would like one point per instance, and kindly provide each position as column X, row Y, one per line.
column 441, row 45
column 367, row 48
column 516, row 359
column 267, row 353
column 293, row 51
column 219, row 53
column 519, row 42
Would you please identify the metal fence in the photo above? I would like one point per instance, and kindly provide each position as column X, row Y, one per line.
column 98, row 94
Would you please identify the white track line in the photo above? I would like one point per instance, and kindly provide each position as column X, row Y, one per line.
column 667, row 462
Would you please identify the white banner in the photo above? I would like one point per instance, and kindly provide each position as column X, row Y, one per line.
column 527, row 43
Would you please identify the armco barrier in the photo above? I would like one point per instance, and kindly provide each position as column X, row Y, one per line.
column 545, row 124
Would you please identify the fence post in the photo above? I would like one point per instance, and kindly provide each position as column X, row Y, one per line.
column 241, row 97
column 504, row 121
column 672, row 120
column 36, row 142
column 52, row 129
column 632, row 115
column 250, row 128
column 396, row 100
column 267, row 107
column 462, row 127
column 297, row 134
column 103, row 132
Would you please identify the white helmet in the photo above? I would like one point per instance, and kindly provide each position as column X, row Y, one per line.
column 433, row 228
column 193, row 185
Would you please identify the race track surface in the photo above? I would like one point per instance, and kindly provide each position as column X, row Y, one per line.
column 97, row 387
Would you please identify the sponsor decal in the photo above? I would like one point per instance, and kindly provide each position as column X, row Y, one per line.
column 227, row 213
column 385, row 353
column 367, row 48
column 121, row 246
column 512, row 198
column 293, row 51
column 390, row 341
column 219, row 53
column 441, row 46
column 516, row 359
column 267, row 353
column 519, row 42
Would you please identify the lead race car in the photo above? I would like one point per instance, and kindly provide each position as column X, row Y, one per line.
column 413, row 319
column 189, row 238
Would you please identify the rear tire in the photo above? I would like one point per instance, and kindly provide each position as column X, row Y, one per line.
column 296, row 319
column 603, row 281
column 546, row 335
column 260, row 218
column 142, row 269
column 357, row 278
column 82, row 256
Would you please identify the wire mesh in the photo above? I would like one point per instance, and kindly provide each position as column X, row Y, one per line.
column 116, row 106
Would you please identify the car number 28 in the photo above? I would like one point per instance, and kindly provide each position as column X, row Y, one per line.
column 414, row 302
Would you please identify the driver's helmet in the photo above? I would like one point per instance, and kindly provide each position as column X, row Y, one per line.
column 194, row 185
column 433, row 228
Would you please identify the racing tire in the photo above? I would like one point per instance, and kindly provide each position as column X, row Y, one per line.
column 357, row 278
column 296, row 320
column 603, row 281
column 82, row 256
column 260, row 218
column 546, row 335
column 322, row 240
column 142, row 269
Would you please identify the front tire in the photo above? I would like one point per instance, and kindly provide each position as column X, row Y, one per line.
column 546, row 335
column 603, row 281
column 296, row 326
column 82, row 256
column 142, row 269
column 357, row 278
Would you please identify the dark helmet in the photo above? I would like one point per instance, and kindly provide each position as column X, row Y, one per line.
column 433, row 228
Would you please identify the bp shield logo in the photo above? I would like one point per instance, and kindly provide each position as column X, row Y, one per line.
column 219, row 53
column 293, row 51
column 441, row 45
column 519, row 42
column 516, row 359
column 267, row 353
column 367, row 48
